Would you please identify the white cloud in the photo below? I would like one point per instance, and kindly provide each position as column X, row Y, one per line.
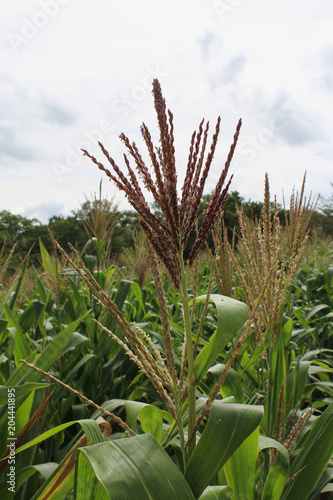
column 55, row 112
column 12, row 144
column 44, row 211
column 83, row 73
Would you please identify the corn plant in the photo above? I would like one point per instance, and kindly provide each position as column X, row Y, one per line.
column 176, row 377
column 167, row 238
column 99, row 220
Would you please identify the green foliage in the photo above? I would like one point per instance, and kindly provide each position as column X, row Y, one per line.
column 59, row 335
column 148, row 470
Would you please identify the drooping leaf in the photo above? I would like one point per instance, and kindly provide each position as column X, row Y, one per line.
column 216, row 493
column 133, row 409
column 314, row 310
column 149, row 415
column 232, row 385
column 89, row 426
column 231, row 316
column 278, row 473
column 32, row 313
column 227, row 427
column 22, row 475
column 135, row 467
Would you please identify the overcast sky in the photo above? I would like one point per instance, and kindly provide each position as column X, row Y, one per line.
column 73, row 72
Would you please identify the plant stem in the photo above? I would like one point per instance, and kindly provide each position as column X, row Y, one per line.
column 190, row 363
column 180, row 425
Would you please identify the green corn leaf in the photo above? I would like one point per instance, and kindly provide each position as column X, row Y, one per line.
column 13, row 297
column 136, row 467
column 90, row 262
column 277, row 377
column 324, row 484
column 231, row 317
column 138, row 294
column 227, row 427
column 315, row 352
column 243, row 464
column 150, row 417
column 31, row 314
column 133, row 409
column 248, row 364
column 21, row 347
column 296, row 382
column 266, row 442
column 216, row 493
column 3, row 325
column 314, row 310
column 278, row 473
column 50, row 354
column 89, row 426
column 19, row 391
column 232, row 385
column 275, row 481
column 61, row 482
column 48, row 264
column 323, row 386
column 309, row 465
column 151, row 421
column 22, row 475
column 110, row 323
column 83, row 307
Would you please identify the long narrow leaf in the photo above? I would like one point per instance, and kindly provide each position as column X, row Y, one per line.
column 20, row 390
column 61, row 482
column 310, row 464
column 227, row 427
column 124, row 469
column 242, row 465
column 89, row 426
column 231, row 316
column 50, row 354
column 23, row 475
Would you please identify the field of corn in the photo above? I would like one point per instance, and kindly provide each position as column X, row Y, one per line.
column 165, row 377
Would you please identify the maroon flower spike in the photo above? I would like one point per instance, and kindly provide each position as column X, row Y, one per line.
column 168, row 236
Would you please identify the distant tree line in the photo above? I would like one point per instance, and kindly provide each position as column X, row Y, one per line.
column 25, row 233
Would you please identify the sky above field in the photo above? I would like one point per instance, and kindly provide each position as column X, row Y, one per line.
column 73, row 72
